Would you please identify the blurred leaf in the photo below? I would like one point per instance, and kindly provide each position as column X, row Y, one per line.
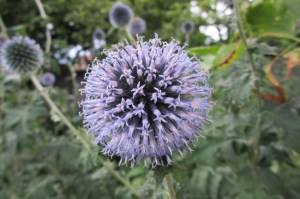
column 22, row 119
column 100, row 173
column 240, row 87
column 63, row 153
column 280, row 97
column 11, row 142
column 267, row 17
column 293, row 5
column 272, row 182
column 201, row 51
column 136, row 171
column 239, row 146
column 229, row 53
column 293, row 60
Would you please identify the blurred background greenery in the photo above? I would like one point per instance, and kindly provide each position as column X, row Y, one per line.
column 251, row 149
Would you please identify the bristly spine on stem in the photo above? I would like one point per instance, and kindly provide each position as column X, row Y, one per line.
column 244, row 39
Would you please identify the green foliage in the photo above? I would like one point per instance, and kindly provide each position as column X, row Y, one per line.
column 229, row 53
column 270, row 17
column 250, row 147
column 293, row 6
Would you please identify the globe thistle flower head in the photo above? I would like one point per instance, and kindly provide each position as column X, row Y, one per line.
column 227, row 2
column 98, row 35
column 120, row 15
column 2, row 40
column 145, row 102
column 137, row 26
column 47, row 79
column 187, row 27
column 21, row 55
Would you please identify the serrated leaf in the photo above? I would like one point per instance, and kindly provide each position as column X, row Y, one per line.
column 241, row 87
column 21, row 118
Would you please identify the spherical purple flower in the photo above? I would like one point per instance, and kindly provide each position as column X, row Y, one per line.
column 2, row 39
column 98, row 35
column 99, row 39
column 120, row 15
column 21, row 55
column 47, row 79
column 137, row 26
column 227, row 2
column 187, row 27
column 145, row 102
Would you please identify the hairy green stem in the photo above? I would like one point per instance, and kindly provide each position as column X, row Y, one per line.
column 3, row 27
column 239, row 20
column 73, row 79
column 187, row 38
column 169, row 181
column 42, row 12
column 82, row 139
column 242, row 34
column 132, row 41
column 119, row 177
column 56, row 110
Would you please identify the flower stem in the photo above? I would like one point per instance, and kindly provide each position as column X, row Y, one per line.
column 119, row 177
column 132, row 41
column 85, row 143
column 187, row 38
column 42, row 12
column 242, row 34
column 3, row 27
column 244, row 39
column 55, row 109
column 73, row 79
column 169, row 181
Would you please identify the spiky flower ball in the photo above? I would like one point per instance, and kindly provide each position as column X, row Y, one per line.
column 21, row 55
column 120, row 15
column 2, row 39
column 99, row 39
column 137, row 26
column 187, row 27
column 47, row 79
column 145, row 102
column 98, row 35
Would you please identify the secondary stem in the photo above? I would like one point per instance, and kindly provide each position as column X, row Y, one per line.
column 132, row 41
column 73, row 79
column 242, row 34
column 44, row 16
column 3, row 27
column 187, row 38
column 55, row 109
column 85, row 143
column 169, row 181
